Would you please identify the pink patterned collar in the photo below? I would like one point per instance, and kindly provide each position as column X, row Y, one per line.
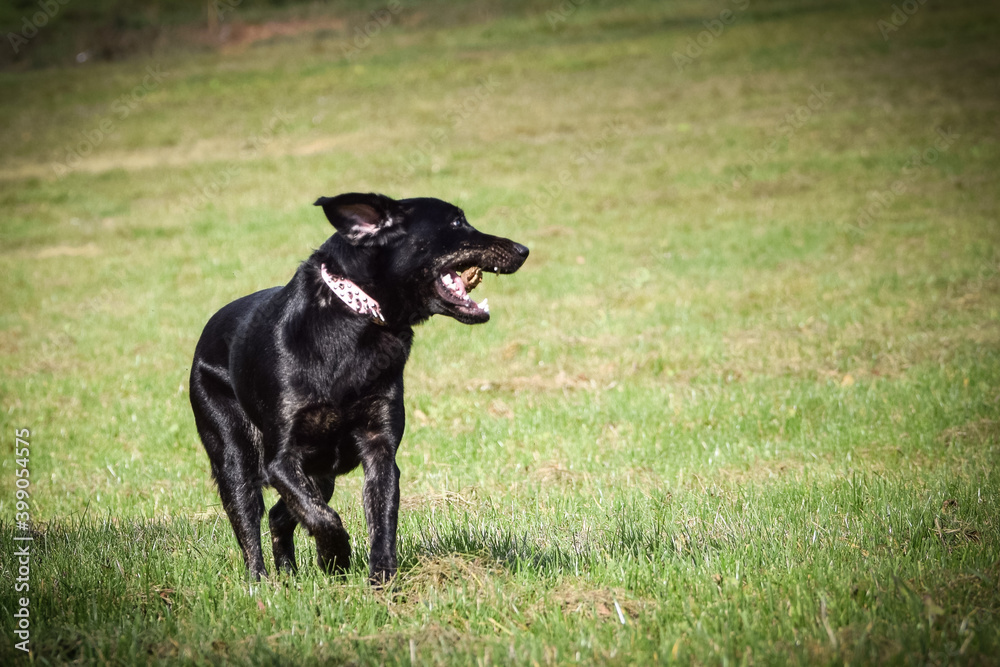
column 353, row 296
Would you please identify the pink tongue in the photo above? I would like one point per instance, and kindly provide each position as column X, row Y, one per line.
column 458, row 285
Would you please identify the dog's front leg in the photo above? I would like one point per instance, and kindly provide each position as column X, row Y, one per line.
column 381, row 498
column 305, row 500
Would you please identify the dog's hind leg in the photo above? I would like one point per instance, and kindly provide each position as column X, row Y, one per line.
column 283, row 527
column 244, row 504
column 232, row 443
column 282, row 536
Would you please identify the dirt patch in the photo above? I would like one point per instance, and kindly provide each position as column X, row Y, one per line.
column 209, row 514
column 107, row 39
column 467, row 498
column 951, row 529
column 237, row 36
column 559, row 381
column 87, row 250
column 555, row 231
column 605, row 604
column 550, row 473
column 447, row 572
column 763, row 471
column 979, row 431
column 11, row 341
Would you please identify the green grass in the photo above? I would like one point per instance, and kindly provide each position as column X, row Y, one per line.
column 716, row 419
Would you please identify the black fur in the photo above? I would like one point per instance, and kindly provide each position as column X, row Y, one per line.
column 291, row 388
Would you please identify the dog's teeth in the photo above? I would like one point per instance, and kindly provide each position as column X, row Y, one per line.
column 485, row 304
column 496, row 269
column 447, row 279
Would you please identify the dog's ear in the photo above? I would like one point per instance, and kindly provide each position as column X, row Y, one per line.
column 361, row 218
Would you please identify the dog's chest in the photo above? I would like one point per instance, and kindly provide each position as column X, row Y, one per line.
column 330, row 435
column 327, row 449
column 319, row 420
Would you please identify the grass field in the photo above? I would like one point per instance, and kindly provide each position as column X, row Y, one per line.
column 741, row 406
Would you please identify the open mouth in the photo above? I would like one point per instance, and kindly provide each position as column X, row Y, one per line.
column 462, row 272
column 454, row 288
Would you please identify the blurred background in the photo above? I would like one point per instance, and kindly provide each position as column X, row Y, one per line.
column 741, row 401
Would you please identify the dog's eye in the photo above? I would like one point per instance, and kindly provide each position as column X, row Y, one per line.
column 457, row 222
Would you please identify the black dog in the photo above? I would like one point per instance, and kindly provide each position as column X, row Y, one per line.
column 294, row 385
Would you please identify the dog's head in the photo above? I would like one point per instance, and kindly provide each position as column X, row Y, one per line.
column 420, row 255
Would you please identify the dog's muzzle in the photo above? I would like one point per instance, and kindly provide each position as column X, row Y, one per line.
column 454, row 283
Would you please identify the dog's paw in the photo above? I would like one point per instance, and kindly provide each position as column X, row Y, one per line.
column 334, row 553
column 284, row 555
column 336, row 564
column 286, row 565
column 382, row 578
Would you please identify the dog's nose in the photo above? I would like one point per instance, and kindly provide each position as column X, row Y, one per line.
column 521, row 250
